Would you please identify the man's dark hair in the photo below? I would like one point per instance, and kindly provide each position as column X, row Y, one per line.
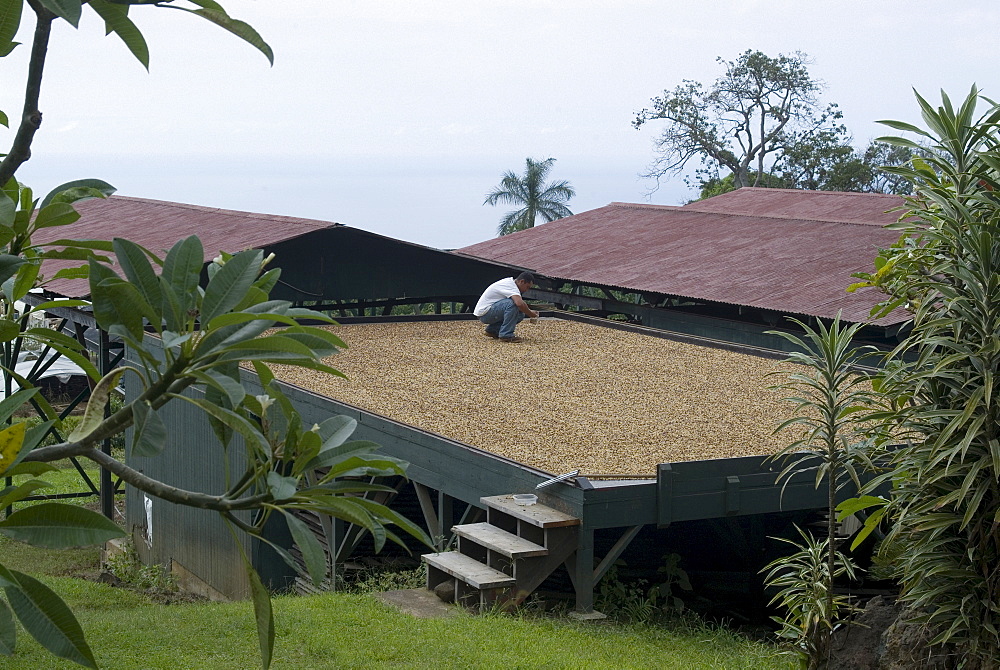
column 526, row 276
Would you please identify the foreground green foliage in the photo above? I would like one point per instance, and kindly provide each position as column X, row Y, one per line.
column 127, row 567
column 189, row 326
column 805, row 592
column 115, row 14
column 638, row 601
column 202, row 336
column 945, row 506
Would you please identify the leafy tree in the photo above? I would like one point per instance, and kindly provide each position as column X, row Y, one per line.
column 762, row 123
column 201, row 335
column 946, row 477
column 534, row 197
column 822, row 164
column 716, row 185
column 879, row 157
column 742, row 121
column 826, row 161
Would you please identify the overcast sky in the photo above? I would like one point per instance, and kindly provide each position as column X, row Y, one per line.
column 398, row 117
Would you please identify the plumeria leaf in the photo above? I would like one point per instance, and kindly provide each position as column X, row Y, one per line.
column 8, row 631
column 59, row 526
column 46, row 617
column 11, row 441
column 71, row 194
column 99, row 398
column 150, row 435
column 312, row 551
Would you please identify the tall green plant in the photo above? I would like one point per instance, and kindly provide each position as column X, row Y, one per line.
column 945, row 269
column 832, row 398
column 805, row 591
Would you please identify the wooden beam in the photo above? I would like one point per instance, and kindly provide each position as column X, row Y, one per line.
column 565, row 299
column 70, row 313
column 430, row 516
column 616, row 551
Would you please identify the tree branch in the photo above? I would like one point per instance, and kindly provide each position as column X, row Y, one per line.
column 158, row 394
column 31, row 117
column 172, row 493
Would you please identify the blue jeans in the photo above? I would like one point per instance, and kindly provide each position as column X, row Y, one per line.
column 502, row 317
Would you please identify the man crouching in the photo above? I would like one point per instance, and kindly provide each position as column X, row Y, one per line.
column 501, row 307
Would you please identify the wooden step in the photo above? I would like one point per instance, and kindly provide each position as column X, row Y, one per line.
column 469, row 570
column 499, row 540
column 536, row 515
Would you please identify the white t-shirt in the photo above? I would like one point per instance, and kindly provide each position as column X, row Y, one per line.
column 498, row 290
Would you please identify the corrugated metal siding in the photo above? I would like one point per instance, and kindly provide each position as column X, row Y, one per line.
column 793, row 266
column 195, row 538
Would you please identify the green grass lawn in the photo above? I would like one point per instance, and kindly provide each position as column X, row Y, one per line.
column 66, row 479
column 127, row 630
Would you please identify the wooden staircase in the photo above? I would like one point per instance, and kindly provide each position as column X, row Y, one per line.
column 500, row 562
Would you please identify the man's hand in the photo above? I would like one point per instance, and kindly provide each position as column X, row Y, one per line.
column 523, row 306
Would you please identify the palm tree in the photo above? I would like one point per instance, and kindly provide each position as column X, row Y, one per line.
column 533, row 195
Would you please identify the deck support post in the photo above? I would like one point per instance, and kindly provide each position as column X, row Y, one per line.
column 581, row 566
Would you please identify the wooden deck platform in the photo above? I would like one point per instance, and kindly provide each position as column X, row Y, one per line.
column 566, row 375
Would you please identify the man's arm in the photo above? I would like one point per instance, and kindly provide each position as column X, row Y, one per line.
column 523, row 306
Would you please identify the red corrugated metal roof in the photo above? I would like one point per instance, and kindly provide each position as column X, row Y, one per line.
column 872, row 209
column 157, row 225
column 793, row 265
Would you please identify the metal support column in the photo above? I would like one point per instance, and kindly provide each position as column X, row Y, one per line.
column 107, row 485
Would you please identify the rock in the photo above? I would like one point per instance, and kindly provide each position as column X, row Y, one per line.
column 857, row 645
column 905, row 648
column 883, row 639
column 446, row 591
column 110, row 579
